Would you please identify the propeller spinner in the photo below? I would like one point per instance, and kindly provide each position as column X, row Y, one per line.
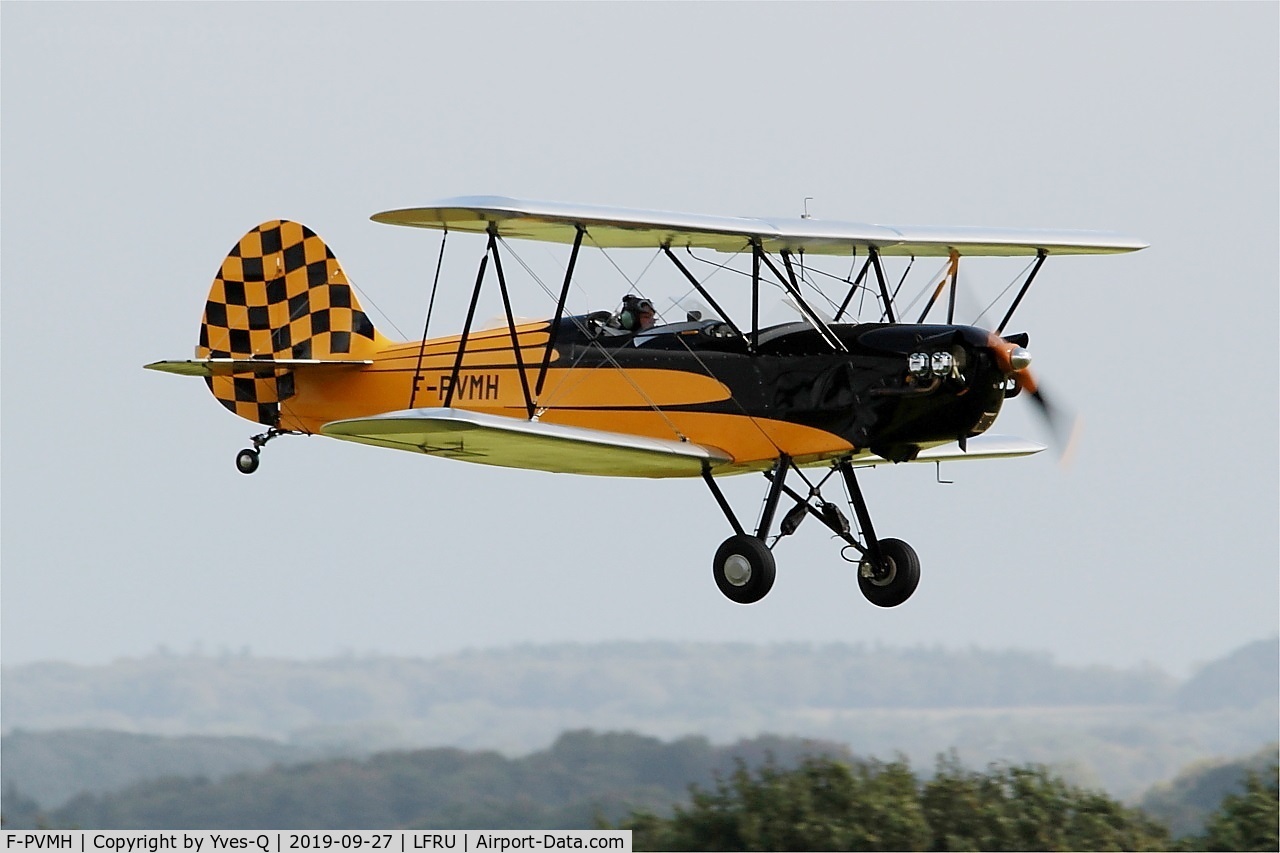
column 1014, row 361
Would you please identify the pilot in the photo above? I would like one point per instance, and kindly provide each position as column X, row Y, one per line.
column 637, row 314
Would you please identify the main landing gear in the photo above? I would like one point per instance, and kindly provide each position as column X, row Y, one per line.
column 248, row 460
column 744, row 568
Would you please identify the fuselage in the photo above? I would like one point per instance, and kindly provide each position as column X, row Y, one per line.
column 784, row 389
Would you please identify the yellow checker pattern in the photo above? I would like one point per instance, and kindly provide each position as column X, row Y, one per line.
column 280, row 293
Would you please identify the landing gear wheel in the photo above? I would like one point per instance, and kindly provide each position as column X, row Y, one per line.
column 744, row 569
column 247, row 461
column 896, row 579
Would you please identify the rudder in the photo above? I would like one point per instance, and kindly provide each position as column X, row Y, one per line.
column 280, row 293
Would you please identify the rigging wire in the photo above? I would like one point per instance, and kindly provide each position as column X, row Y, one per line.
column 777, row 285
column 622, row 370
column 884, row 312
column 931, row 283
column 365, row 298
column 652, row 258
column 603, row 351
column 1003, row 292
column 718, row 268
column 634, row 285
column 426, row 326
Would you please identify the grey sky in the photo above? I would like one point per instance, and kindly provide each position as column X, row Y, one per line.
column 140, row 141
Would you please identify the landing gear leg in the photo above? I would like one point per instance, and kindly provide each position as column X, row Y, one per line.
column 744, row 568
column 889, row 571
column 248, row 460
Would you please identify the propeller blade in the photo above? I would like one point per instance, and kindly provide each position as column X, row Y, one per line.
column 1015, row 362
column 1063, row 426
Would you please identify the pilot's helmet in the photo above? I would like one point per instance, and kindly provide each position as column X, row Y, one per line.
column 635, row 311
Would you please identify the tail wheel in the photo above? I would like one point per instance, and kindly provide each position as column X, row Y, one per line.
column 895, row 580
column 247, row 461
column 744, row 569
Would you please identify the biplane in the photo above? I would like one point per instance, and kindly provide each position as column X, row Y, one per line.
column 632, row 391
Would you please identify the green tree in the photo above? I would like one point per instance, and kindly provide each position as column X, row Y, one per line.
column 827, row 804
column 1028, row 808
column 824, row 804
column 1247, row 821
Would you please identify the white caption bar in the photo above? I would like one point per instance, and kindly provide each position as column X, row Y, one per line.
column 297, row 841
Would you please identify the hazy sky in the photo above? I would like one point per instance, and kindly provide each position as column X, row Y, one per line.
column 140, row 142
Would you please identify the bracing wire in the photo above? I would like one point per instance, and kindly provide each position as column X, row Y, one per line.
column 893, row 299
column 426, row 326
column 622, row 370
column 776, row 285
column 928, row 286
column 603, row 351
column 365, row 298
column 1000, row 295
column 634, row 285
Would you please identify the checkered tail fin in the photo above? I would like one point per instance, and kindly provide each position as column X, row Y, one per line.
column 279, row 294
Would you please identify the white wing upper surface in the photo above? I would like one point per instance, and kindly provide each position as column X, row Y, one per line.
column 615, row 227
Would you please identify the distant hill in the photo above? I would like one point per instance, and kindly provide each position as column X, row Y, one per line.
column 1184, row 802
column 55, row 766
column 648, row 681
column 582, row 778
column 1245, row 678
column 1121, row 729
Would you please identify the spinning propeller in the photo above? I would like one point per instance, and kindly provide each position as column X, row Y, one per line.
column 1015, row 362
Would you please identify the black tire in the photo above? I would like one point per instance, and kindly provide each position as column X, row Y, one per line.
column 900, row 580
column 744, row 569
column 247, row 461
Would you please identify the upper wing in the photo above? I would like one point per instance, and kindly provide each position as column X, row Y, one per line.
column 615, row 227
column 512, row 443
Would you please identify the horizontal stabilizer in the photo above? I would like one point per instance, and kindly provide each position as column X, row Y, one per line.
column 262, row 366
column 518, row 443
column 978, row 447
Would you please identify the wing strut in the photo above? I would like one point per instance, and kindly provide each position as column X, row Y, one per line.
column 952, row 276
column 702, row 290
column 884, row 286
column 492, row 249
column 955, row 283
column 466, row 331
column 426, row 326
column 560, row 311
column 511, row 320
column 789, row 282
column 755, row 297
column 1040, row 256
column 857, row 282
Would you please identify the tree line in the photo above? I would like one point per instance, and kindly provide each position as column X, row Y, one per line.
column 831, row 804
column 1130, row 728
column 766, row 793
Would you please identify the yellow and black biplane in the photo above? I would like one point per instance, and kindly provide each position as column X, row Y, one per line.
column 636, row 392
